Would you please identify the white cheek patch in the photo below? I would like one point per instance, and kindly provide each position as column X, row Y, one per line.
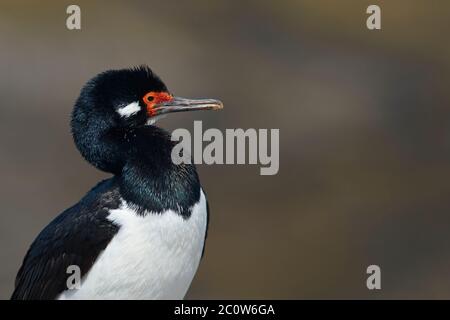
column 129, row 109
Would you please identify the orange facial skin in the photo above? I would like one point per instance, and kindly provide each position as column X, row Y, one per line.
column 153, row 98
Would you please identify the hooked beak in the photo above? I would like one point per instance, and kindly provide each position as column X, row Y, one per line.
column 178, row 104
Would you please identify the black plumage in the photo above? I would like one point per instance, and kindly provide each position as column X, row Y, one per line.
column 75, row 237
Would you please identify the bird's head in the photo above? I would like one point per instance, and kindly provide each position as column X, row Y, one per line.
column 115, row 102
column 133, row 98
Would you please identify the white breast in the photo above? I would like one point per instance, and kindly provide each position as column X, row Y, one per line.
column 151, row 257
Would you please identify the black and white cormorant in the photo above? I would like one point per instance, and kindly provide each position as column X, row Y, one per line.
column 140, row 234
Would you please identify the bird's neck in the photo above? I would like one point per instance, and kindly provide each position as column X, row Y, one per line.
column 150, row 179
column 141, row 161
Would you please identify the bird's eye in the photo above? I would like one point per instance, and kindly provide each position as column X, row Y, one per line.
column 150, row 98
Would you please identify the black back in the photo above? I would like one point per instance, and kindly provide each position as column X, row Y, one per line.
column 76, row 237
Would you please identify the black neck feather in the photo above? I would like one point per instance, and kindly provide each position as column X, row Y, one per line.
column 140, row 159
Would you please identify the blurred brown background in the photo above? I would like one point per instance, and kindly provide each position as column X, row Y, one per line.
column 364, row 134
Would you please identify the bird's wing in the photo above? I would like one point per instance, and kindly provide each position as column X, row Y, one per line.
column 76, row 237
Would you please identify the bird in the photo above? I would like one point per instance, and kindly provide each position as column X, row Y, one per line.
column 141, row 233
